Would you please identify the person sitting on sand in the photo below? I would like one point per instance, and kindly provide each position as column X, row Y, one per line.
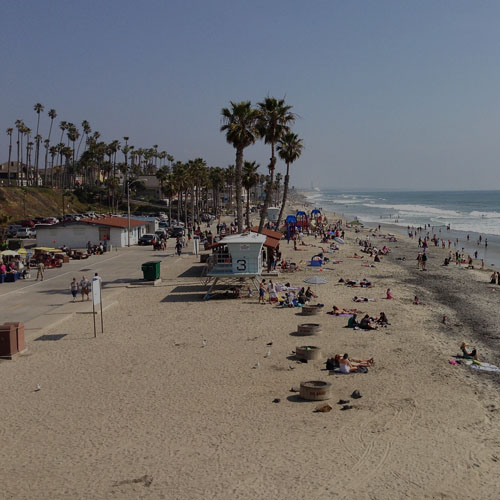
column 382, row 320
column 348, row 366
column 416, row 301
column 376, row 258
column 493, row 278
column 389, row 294
column 351, row 323
column 366, row 323
column 468, row 353
column 310, row 293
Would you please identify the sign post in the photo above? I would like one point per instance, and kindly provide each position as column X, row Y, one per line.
column 97, row 300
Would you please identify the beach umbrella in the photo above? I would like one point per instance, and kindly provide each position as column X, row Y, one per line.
column 316, row 280
column 22, row 251
column 9, row 253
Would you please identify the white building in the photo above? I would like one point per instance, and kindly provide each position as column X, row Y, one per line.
column 77, row 234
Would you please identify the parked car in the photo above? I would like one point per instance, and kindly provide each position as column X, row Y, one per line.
column 13, row 229
column 25, row 232
column 27, row 223
column 148, row 239
column 163, row 224
column 161, row 233
column 51, row 220
column 177, row 231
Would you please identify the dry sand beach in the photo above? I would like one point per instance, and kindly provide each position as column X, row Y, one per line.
column 147, row 410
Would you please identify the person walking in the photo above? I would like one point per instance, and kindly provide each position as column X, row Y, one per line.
column 40, row 269
column 85, row 288
column 73, row 286
column 178, row 247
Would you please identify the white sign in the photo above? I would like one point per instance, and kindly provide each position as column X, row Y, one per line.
column 196, row 245
column 96, row 290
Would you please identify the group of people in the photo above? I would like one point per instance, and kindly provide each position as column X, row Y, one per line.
column 367, row 322
column 83, row 286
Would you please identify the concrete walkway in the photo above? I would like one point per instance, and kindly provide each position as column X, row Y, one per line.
column 41, row 305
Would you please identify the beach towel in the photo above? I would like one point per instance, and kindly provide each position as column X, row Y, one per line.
column 484, row 367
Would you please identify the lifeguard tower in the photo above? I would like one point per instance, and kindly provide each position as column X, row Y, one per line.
column 272, row 214
column 235, row 259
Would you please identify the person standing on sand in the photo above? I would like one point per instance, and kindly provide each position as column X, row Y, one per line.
column 262, row 290
column 424, row 261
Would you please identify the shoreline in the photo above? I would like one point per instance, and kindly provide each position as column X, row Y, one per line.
column 491, row 254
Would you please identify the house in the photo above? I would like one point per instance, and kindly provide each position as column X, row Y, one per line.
column 77, row 234
column 151, row 184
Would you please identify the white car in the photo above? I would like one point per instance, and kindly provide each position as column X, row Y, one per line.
column 25, row 232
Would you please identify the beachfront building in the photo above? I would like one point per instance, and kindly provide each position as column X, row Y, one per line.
column 76, row 234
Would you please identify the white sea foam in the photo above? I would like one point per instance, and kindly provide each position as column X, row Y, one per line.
column 416, row 210
column 485, row 215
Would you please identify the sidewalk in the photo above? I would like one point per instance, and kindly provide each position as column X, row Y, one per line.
column 42, row 305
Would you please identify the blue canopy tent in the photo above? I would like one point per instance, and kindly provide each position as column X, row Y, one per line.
column 302, row 220
column 291, row 222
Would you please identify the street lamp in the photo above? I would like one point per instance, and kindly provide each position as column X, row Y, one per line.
column 129, row 183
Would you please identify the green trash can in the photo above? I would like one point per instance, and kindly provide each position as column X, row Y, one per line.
column 151, row 270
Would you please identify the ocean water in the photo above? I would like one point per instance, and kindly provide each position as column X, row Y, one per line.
column 472, row 213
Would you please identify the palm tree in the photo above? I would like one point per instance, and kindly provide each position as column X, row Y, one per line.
column 86, row 130
column 277, row 187
column 250, row 179
column 27, row 132
column 274, row 118
column 52, row 114
column 38, row 108
column 230, row 178
column 19, row 127
column 9, row 133
column 240, row 125
column 289, row 149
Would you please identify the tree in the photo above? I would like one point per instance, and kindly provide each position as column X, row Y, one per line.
column 52, row 114
column 274, row 119
column 38, row 108
column 9, row 133
column 250, row 179
column 240, row 124
column 289, row 149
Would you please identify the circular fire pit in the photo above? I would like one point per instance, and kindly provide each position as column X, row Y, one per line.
column 311, row 310
column 309, row 329
column 315, row 390
column 309, row 352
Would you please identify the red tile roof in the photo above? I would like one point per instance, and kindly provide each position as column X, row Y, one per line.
column 113, row 221
column 268, row 232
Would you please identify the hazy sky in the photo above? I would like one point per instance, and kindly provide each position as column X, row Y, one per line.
column 398, row 94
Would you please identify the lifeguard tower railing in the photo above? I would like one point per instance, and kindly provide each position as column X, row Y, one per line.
column 220, row 262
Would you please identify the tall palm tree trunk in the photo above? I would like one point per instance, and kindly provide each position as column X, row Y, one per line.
column 285, row 194
column 239, row 207
column 269, row 190
column 248, row 208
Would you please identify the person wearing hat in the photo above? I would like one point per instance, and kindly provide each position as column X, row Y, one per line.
column 467, row 352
